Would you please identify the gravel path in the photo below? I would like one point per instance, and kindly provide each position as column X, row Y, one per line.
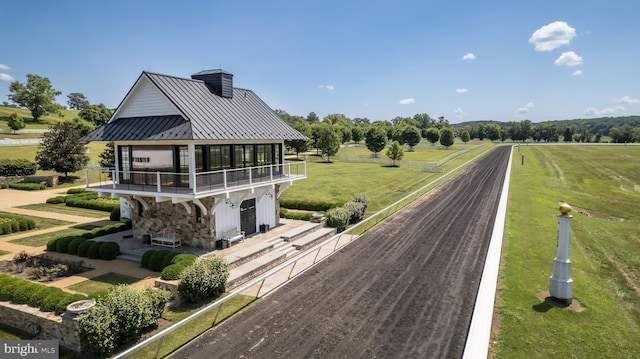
column 403, row 290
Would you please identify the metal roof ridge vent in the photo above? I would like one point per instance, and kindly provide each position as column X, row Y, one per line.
column 218, row 81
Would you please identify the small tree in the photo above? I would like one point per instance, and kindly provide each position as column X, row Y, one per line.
column 328, row 141
column 411, row 136
column 447, row 137
column 395, row 152
column 357, row 134
column 464, row 136
column 37, row 95
column 433, row 135
column 300, row 145
column 61, row 149
column 108, row 156
column 15, row 122
column 96, row 114
column 376, row 139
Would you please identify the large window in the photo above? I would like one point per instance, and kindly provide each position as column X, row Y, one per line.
column 152, row 158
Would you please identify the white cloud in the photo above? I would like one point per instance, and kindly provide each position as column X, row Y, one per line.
column 605, row 111
column 627, row 99
column 468, row 56
column 552, row 36
column 577, row 73
column 6, row 77
column 462, row 90
column 526, row 108
column 569, row 58
column 328, row 87
column 459, row 113
column 4, row 67
column 407, row 101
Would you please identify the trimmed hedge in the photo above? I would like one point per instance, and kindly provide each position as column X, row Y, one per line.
column 48, row 299
column 94, row 250
column 76, row 190
column 115, row 214
column 185, row 259
column 83, row 248
column 308, row 205
column 72, row 248
column 27, row 186
column 146, row 256
column 109, row 251
column 99, row 204
column 17, row 167
column 13, row 224
column 172, row 272
column 62, row 244
column 302, row 216
column 56, row 200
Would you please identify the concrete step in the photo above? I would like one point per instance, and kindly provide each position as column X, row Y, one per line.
column 312, row 238
column 131, row 257
column 252, row 269
column 300, row 231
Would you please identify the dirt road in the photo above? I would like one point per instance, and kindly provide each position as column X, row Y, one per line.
column 404, row 290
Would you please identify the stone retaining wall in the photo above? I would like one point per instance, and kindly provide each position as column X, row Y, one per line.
column 51, row 181
column 65, row 329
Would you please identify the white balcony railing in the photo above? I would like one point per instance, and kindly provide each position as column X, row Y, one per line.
column 110, row 180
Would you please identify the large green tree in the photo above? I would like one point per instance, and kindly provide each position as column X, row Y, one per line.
column 36, row 95
column 61, row 149
column 411, row 136
column 328, row 141
column 376, row 138
column 433, row 135
column 77, row 101
column 464, row 136
column 96, row 114
column 447, row 136
column 395, row 152
column 300, row 145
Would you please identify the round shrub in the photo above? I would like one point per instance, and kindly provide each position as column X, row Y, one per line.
column 109, row 251
column 206, row 277
column 155, row 262
column 72, row 248
column 76, row 190
column 94, row 250
column 186, row 259
column 356, row 211
column 62, row 245
column 172, row 272
column 83, row 248
column 56, row 200
column 115, row 214
column 52, row 244
column 168, row 258
column 144, row 262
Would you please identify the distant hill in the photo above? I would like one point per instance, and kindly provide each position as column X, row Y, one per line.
column 595, row 124
column 44, row 123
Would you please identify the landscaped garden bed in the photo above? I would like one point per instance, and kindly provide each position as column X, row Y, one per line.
column 40, row 268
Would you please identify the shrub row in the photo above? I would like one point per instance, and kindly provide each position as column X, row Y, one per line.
column 158, row 260
column 303, row 216
column 27, row 186
column 77, row 193
column 13, row 224
column 100, row 204
column 308, row 205
column 350, row 213
column 206, row 277
column 120, row 316
column 47, row 299
column 85, row 248
column 17, row 167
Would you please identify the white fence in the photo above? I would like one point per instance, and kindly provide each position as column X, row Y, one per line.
column 20, row 141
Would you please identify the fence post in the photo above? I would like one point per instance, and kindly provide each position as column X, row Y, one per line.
column 159, row 345
column 216, row 317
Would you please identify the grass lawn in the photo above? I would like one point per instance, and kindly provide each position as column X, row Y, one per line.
column 187, row 332
column 42, row 239
column 602, row 183
column 102, row 282
column 339, row 181
column 43, row 123
column 41, row 223
column 63, row 209
column 3, row 252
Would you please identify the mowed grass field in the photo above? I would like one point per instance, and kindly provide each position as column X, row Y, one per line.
column 602, row 183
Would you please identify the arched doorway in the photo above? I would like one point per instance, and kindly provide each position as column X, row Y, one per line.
column 248, row 216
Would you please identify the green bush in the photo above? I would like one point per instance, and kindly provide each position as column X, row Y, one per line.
column 356, row 211
column 28, row 186
column 120, row 316
column 168, row 258
column 185, row 259
column 62, row 245
column 157, row 260
column 302, row 216
column 48, row 299
column 83, row 248
column 56, row 200
column 308, row 205
column 338, row 218
column 72, row 247
column 94, row 250
column 12, row 224
column 76, row 190
column 17, row 167
column 109, row 251
column 172, row 271
column 100, row 204
column 115, row 214
column 206, row 277
column 52, row 244
column 146, row 256
column 4, row 185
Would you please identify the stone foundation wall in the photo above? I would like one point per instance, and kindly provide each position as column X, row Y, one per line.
column 194, row 233
column 51, row 181
column 65, row 329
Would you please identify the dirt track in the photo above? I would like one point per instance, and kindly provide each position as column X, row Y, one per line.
column 404, row 290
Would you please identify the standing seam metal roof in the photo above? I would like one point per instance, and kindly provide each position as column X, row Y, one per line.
column 207, row 116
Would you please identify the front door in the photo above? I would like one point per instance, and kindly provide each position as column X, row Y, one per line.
column 248, row 216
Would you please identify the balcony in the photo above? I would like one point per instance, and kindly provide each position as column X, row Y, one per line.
column 192, row 185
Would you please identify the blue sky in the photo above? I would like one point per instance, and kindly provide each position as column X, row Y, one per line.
column 464, row 60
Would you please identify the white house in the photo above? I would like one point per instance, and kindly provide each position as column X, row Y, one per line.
column 196, row 155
